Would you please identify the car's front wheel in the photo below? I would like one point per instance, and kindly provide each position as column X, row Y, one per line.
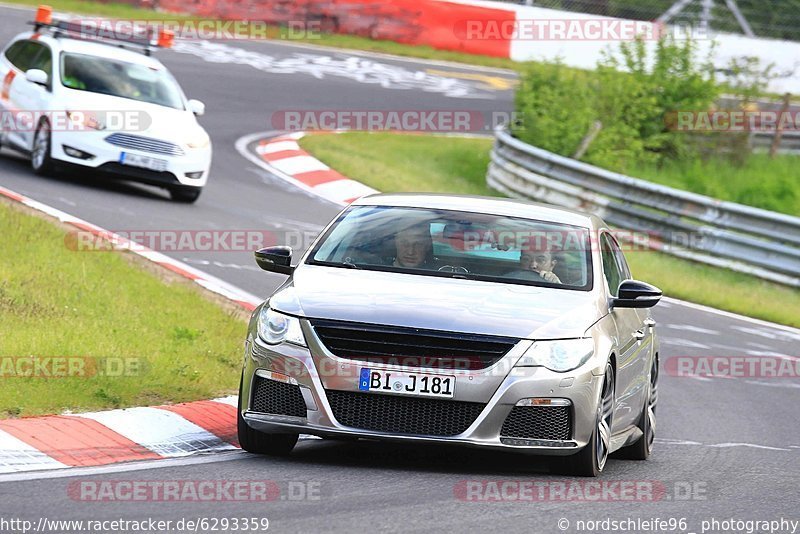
column 41, row 162
column 643, row 447
column 185, row 193
column 257, row 442
column 591, row 460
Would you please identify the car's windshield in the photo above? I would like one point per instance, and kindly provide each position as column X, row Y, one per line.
column 119, row 78
column 458, row 244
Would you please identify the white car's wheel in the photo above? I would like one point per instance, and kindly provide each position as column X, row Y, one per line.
column 41, row 162
column 186, row 194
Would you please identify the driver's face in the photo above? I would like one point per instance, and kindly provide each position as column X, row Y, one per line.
column 538, row 261
column 412, row 247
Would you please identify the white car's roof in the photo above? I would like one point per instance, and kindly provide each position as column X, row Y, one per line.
column 491, row 205
column 94, row 48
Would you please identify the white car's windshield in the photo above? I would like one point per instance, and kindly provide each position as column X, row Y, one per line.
column 458, row 245
column 118, row 78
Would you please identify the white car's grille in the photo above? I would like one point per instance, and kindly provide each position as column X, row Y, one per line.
column 145, row 144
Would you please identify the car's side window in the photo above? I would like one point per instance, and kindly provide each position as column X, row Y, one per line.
column 610, row 266
column 43, row 61
column 13, row 50
column 25, row 57
column 624, row 270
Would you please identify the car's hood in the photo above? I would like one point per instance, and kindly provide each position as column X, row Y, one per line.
column 144, row 118
column 438, row 303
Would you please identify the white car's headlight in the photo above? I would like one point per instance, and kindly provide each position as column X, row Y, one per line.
column 198, row 140
column 275, row 327
column 560, row 356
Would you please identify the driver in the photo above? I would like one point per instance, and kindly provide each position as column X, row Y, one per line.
column 541, row 262
column 414, row 247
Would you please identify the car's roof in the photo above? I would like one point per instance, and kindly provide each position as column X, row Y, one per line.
column 478, row 204
column 104, row 49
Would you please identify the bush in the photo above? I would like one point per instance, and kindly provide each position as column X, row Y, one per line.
column 631, row 94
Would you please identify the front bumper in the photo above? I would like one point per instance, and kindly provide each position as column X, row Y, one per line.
column 179, row 170
column 498, row 389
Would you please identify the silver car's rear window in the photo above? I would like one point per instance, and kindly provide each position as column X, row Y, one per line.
column 457, row 244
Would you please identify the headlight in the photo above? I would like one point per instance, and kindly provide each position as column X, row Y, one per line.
column 199, row 140
column 275, row 327
column 559, row 356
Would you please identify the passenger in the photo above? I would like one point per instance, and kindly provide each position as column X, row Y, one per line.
column 541, row 262
column 414, row 247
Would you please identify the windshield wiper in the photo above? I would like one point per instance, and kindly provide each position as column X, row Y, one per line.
column 349, row 265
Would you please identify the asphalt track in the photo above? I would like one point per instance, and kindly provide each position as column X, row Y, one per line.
column 727, row 448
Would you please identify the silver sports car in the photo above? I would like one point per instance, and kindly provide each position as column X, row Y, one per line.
column 485, row 322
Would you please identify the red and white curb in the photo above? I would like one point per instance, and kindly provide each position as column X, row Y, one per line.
column 147, row 433
column 287, row 160
column 132, row 434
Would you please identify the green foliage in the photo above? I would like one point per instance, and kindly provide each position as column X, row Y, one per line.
column 632, row 94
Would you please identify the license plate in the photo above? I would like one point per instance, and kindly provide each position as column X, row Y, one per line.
column 145, row 162
column 400, row 383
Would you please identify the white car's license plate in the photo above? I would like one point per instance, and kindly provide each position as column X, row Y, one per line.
column 418, row 384
column 135, row 160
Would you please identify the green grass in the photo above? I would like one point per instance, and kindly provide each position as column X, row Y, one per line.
column 57, row 302
column 122, row 11
column 407, row 163
column 762, row 182
column 395, row 162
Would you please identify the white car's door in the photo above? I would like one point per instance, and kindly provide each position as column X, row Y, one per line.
column 29, row 97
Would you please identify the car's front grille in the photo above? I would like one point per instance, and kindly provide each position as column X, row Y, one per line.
column 538, row 422
column 403, row 415
column 411, row 347
column 279, row 398
column 146, row 144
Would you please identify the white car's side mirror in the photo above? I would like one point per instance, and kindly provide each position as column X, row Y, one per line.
column 36, row 76
column 195, row 106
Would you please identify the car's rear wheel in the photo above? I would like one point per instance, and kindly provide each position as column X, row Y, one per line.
column 591, row 460
column 257, row 442
column 41, row 162
column 185, row 193
column 643, row 447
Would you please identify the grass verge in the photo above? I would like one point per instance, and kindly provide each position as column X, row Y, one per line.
column 144, row 338
column 766, row 183
column 122, row 11
column 394, row 163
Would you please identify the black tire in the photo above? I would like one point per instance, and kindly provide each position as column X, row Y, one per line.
column 185, row 193
column 252, row 440
column 643, row 447
column 591, row 460
column 41, row 162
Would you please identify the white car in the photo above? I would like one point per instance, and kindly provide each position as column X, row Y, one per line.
column 101, row 104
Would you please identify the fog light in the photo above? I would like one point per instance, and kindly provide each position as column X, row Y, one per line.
column 544, row 402
column 194, row 175
column 75, row 153
column 279, row 377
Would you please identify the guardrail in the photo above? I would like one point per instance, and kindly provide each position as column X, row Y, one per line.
column 680, row 223
column 790, row 142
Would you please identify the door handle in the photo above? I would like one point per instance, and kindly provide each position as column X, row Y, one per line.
column 639, row 335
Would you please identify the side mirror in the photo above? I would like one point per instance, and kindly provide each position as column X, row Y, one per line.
column 276, row 259
column 37, row 76
column 636, row 294
column 196, row 107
